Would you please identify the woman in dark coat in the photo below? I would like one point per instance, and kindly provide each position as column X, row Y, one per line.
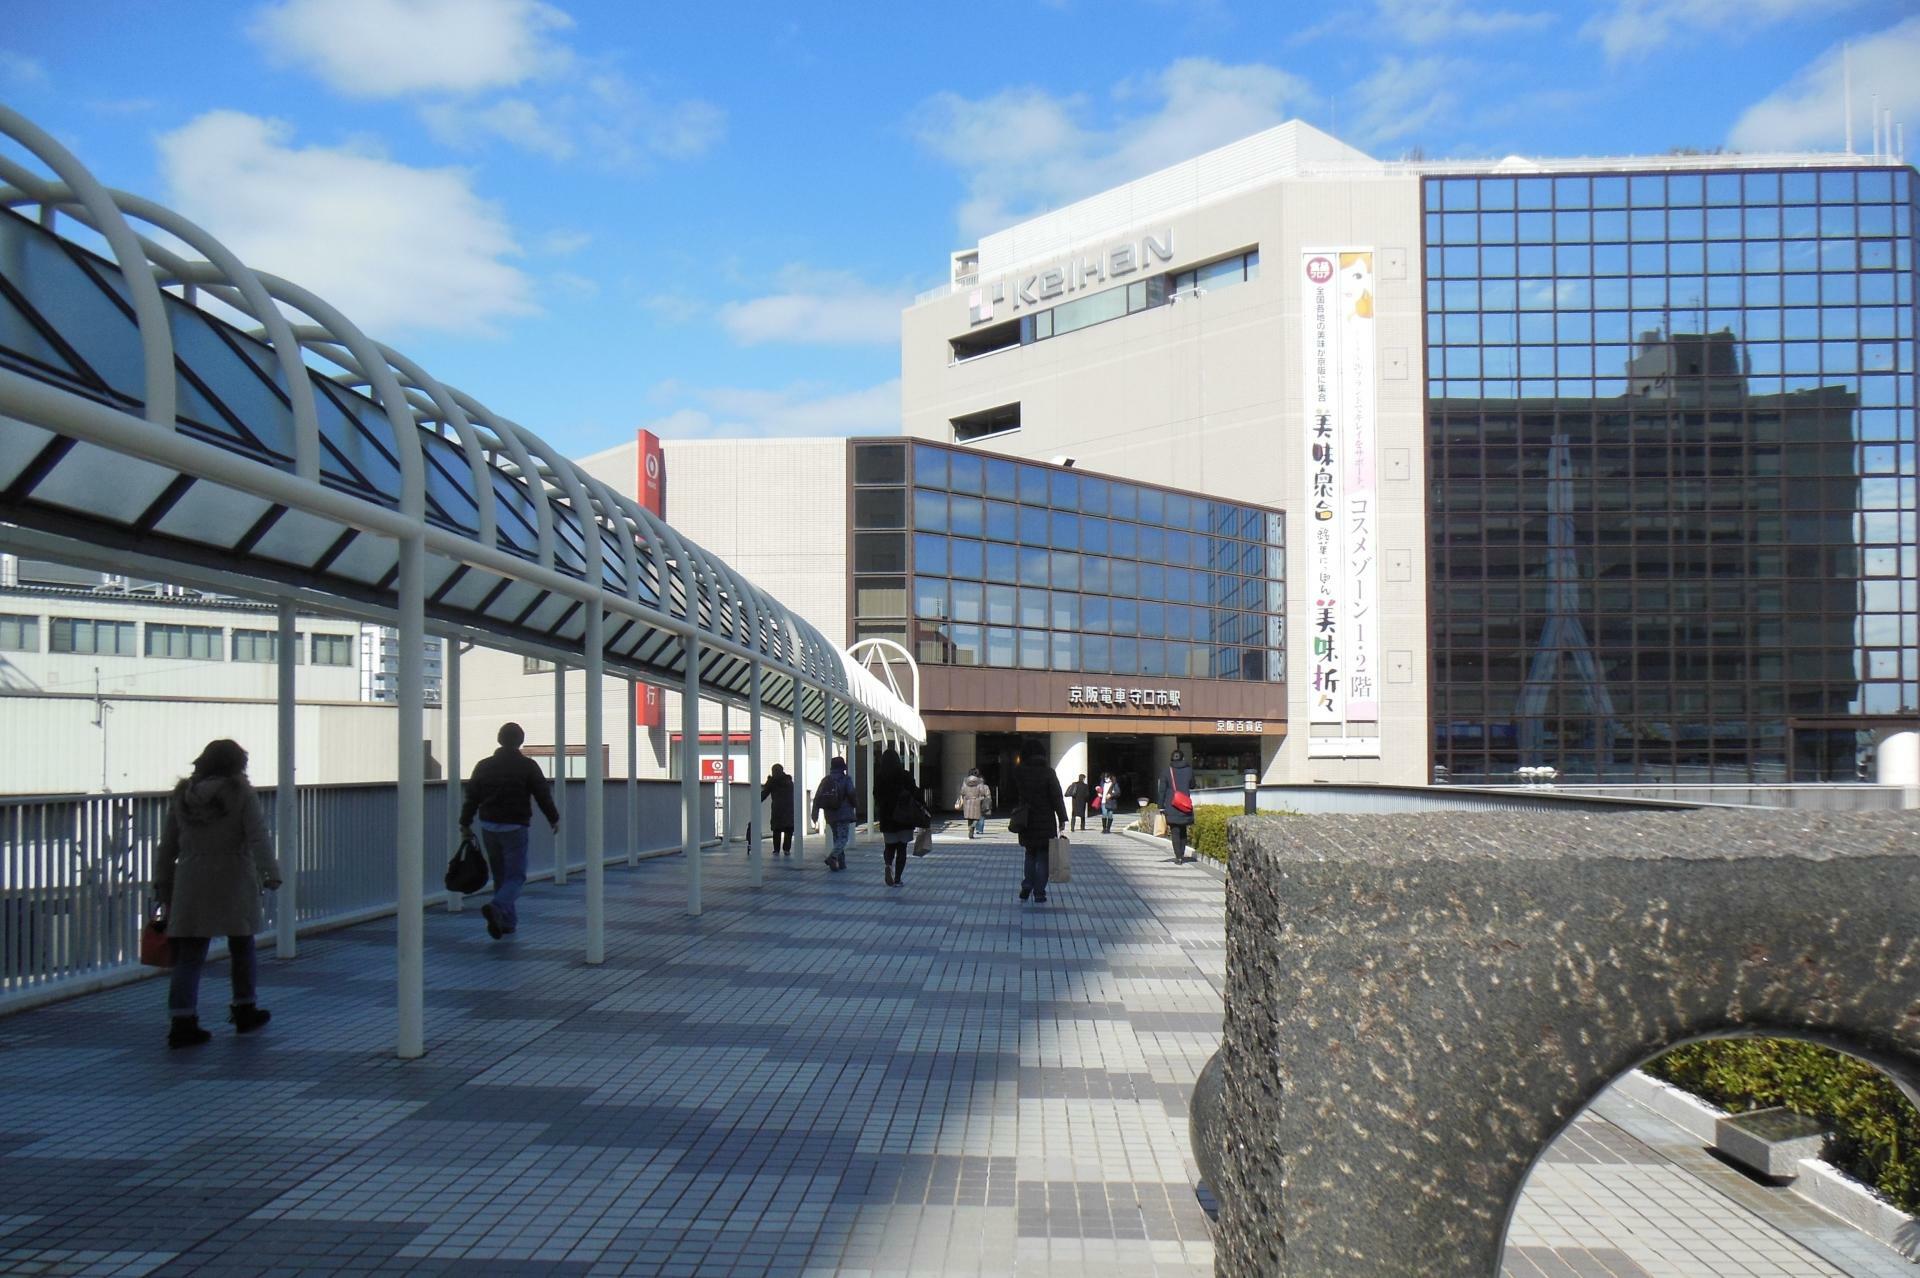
column 778, row 792
column 1178, row 776
column 896, row 799
column 213, row 861
column 1037, row 787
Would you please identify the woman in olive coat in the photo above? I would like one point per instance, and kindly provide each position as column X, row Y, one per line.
column 214, row 860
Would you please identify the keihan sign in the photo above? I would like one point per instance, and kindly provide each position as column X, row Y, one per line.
column 1077, row 274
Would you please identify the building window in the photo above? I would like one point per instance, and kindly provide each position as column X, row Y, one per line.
column 1211, row 276
column 264, row 646
column 333, row 650
column 535, row 665
column 991, row 421
column 988, row 340
column 19, row 634
column 193, row 643
column 87, row 636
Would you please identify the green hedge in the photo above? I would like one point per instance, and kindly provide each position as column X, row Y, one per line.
column 1208, row 835
column 1877, row 1131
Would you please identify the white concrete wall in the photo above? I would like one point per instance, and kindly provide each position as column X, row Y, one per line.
column 1206, row 395
column 67, row 745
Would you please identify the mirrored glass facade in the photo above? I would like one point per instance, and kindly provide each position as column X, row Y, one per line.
column 975, row 560
column 1671, row 430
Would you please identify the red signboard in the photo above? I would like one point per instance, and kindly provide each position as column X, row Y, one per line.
column 650, row 488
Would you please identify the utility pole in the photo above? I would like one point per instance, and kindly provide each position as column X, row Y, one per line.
column 100, row 712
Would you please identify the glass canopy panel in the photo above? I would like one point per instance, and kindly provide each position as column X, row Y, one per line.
column 72, row 301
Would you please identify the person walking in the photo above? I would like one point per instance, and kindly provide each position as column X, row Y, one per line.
column 1080, row 792
column 833, row 799
column 214, row 860
column 976, row 797
column 896, row 798
column 778, row 792
column 1108, row 802
column 501, row 792
column 1178, row 780
column 1036, row 787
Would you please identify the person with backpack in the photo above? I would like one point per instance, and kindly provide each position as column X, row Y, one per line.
column 976, row 797
column 1107, row 802
column 213, row 861
column 778, row 792
column 502, row 791
column 1176, row 802
column 1040, row 811
column 833, row 798
column 896, row 798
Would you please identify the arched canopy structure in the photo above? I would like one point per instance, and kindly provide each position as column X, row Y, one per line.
column 293, row 450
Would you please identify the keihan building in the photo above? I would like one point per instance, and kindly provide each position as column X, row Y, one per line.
column 1328, row 469
column 1604, row 466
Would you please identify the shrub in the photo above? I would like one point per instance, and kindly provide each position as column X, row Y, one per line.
column 1208, row 836
column 1877, row 1131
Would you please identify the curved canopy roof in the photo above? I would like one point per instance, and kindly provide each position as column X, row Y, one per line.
column 291, row 450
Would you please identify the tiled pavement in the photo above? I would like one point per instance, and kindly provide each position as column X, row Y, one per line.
column 822, row 1076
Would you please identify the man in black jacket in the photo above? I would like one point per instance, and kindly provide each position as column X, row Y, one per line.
column 504, row 787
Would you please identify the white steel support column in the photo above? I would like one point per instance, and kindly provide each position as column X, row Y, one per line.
column 690, row 769
column 726, row 773
column 800, row 809
column 560, row 773
column 871, row 762
column 286, row 798
column 633, row 772
column 754, row 830
column 450, row 712
column 596, row 833
column 411, row 800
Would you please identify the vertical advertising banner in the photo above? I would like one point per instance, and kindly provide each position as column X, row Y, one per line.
column 650, row 488
column 1341, row 525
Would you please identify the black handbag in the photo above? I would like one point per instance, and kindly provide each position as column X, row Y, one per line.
column 467, row 871
column 1018, row 818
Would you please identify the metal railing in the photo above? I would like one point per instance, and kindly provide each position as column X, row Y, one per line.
column 75, row 870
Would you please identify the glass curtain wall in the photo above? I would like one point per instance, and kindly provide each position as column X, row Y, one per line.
column 1672, row 440
column 975, row 560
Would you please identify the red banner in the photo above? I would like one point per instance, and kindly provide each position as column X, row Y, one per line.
column 650, row 489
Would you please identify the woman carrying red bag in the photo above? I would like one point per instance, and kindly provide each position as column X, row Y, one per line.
column 1176, row 801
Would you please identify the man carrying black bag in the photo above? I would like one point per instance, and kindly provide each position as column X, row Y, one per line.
column 504, row 787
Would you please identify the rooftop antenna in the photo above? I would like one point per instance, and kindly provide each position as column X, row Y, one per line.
column 1876, row 125
column 1846, row 92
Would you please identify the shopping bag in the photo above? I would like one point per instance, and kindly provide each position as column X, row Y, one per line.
column 1160, row 825
column 467, row 871
column 154, row 949
column 922, row 842
column 1060, row 860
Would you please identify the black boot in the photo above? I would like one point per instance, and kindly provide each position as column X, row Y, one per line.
column 186, row 1032
column 246, row 1018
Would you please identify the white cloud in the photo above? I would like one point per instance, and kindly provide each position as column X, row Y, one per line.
column 564, row 243
column 456, row 55
column 1023, row 150
column 402, row 48
column 1402, row 97
column 393, row 247
column 802, row 410
column 828, row 308
column 20, row 70
column 1433, row 21
column 1630, row 28
column 1807, row 111
column 512, row 120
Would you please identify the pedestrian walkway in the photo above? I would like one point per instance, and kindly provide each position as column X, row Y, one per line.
column 822, row 1076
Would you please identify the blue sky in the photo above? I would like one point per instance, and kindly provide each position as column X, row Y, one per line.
column 596, row 215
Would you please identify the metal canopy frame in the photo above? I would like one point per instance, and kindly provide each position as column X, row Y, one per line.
column 316, row 464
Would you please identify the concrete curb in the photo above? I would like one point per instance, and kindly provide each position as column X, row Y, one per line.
column 1819, row 1182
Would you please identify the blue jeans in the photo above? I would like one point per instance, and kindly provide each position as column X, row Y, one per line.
column 979, row 825
column 1037, row 866
column 190, row 955
column 507, row 855
column 842, row 832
